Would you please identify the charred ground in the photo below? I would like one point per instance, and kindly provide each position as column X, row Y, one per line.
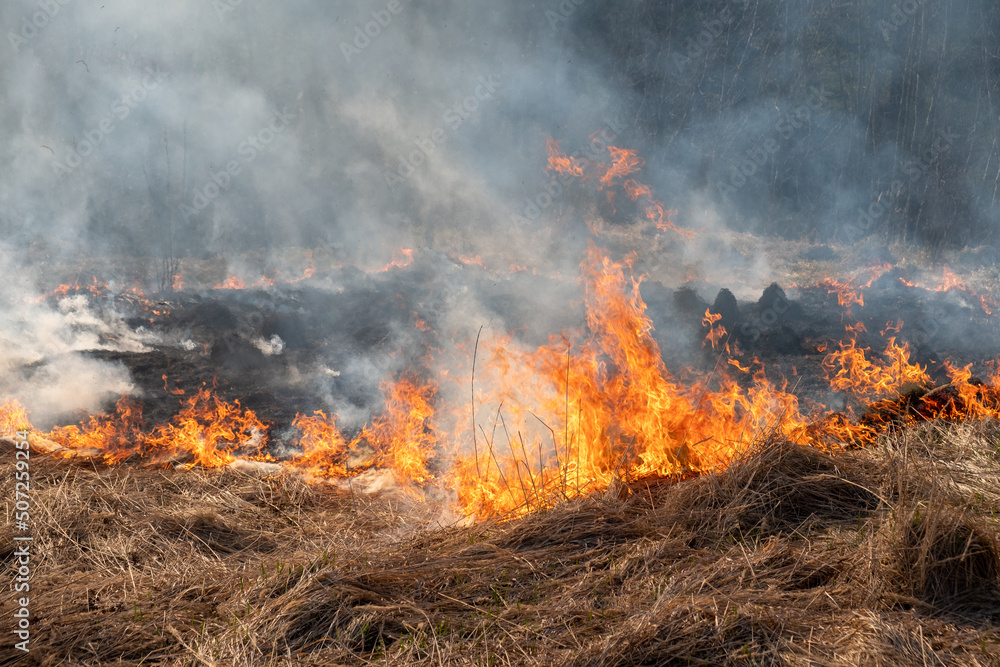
column 340, row 333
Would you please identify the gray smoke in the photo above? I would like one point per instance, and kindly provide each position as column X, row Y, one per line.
column 232, row 132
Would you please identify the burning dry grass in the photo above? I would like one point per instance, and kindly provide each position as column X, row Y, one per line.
column 790, row 556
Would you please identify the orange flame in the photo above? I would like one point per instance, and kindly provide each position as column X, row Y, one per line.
column 562, row 420
column 715, row 333
column 612, row 408
column 623, row 163
column 207, row 432
column 96, row 288
column 561, row 163
column 471, row 260
column 401, row 258
column 850, row 370
column 951, row 281
column 401, row 439
column 13, row 417
column 232, row 282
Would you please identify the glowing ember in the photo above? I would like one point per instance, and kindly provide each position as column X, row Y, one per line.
column 96, row 288
column 952, row 282
column 470, row 260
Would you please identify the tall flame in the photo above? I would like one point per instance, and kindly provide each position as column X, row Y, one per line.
column 564, row 419
column 608, row 407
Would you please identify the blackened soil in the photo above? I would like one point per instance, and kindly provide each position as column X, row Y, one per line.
column 293, row 349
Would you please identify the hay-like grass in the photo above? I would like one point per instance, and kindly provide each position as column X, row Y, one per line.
column 792, row 556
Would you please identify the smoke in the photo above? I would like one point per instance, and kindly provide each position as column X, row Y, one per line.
column 47, row 360
column 241, row 134
column 795, row 119
column 194, row 130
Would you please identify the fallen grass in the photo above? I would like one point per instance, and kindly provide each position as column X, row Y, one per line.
column 887, row 556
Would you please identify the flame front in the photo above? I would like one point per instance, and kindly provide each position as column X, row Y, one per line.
column 565, row 419
column 208, row 432
column 608, row 407
column 402, row 439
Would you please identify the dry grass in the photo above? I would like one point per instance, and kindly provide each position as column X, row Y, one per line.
column 888, row 556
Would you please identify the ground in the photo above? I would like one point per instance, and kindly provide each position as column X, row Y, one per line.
column 888, row 555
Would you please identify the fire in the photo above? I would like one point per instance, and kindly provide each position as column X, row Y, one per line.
column 715, row 333
column 177, row 282
column 307, row 272
column 623, row 163
column 471, row 260
column 401, row 258
column 892, row 327
column 208, row 431
column 176, row 391
column 565, row 419
column 561, row 163
column 96, row 288
column 950, row 281
column 849, row 369
column 324, row 450
column 232, row 282
column 847, row 293
column 608, row 408
column 13, row 417
column 402, row 439
column 235, row 282
column 876, row 272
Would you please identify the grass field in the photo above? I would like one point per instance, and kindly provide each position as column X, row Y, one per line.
column 886, row 556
